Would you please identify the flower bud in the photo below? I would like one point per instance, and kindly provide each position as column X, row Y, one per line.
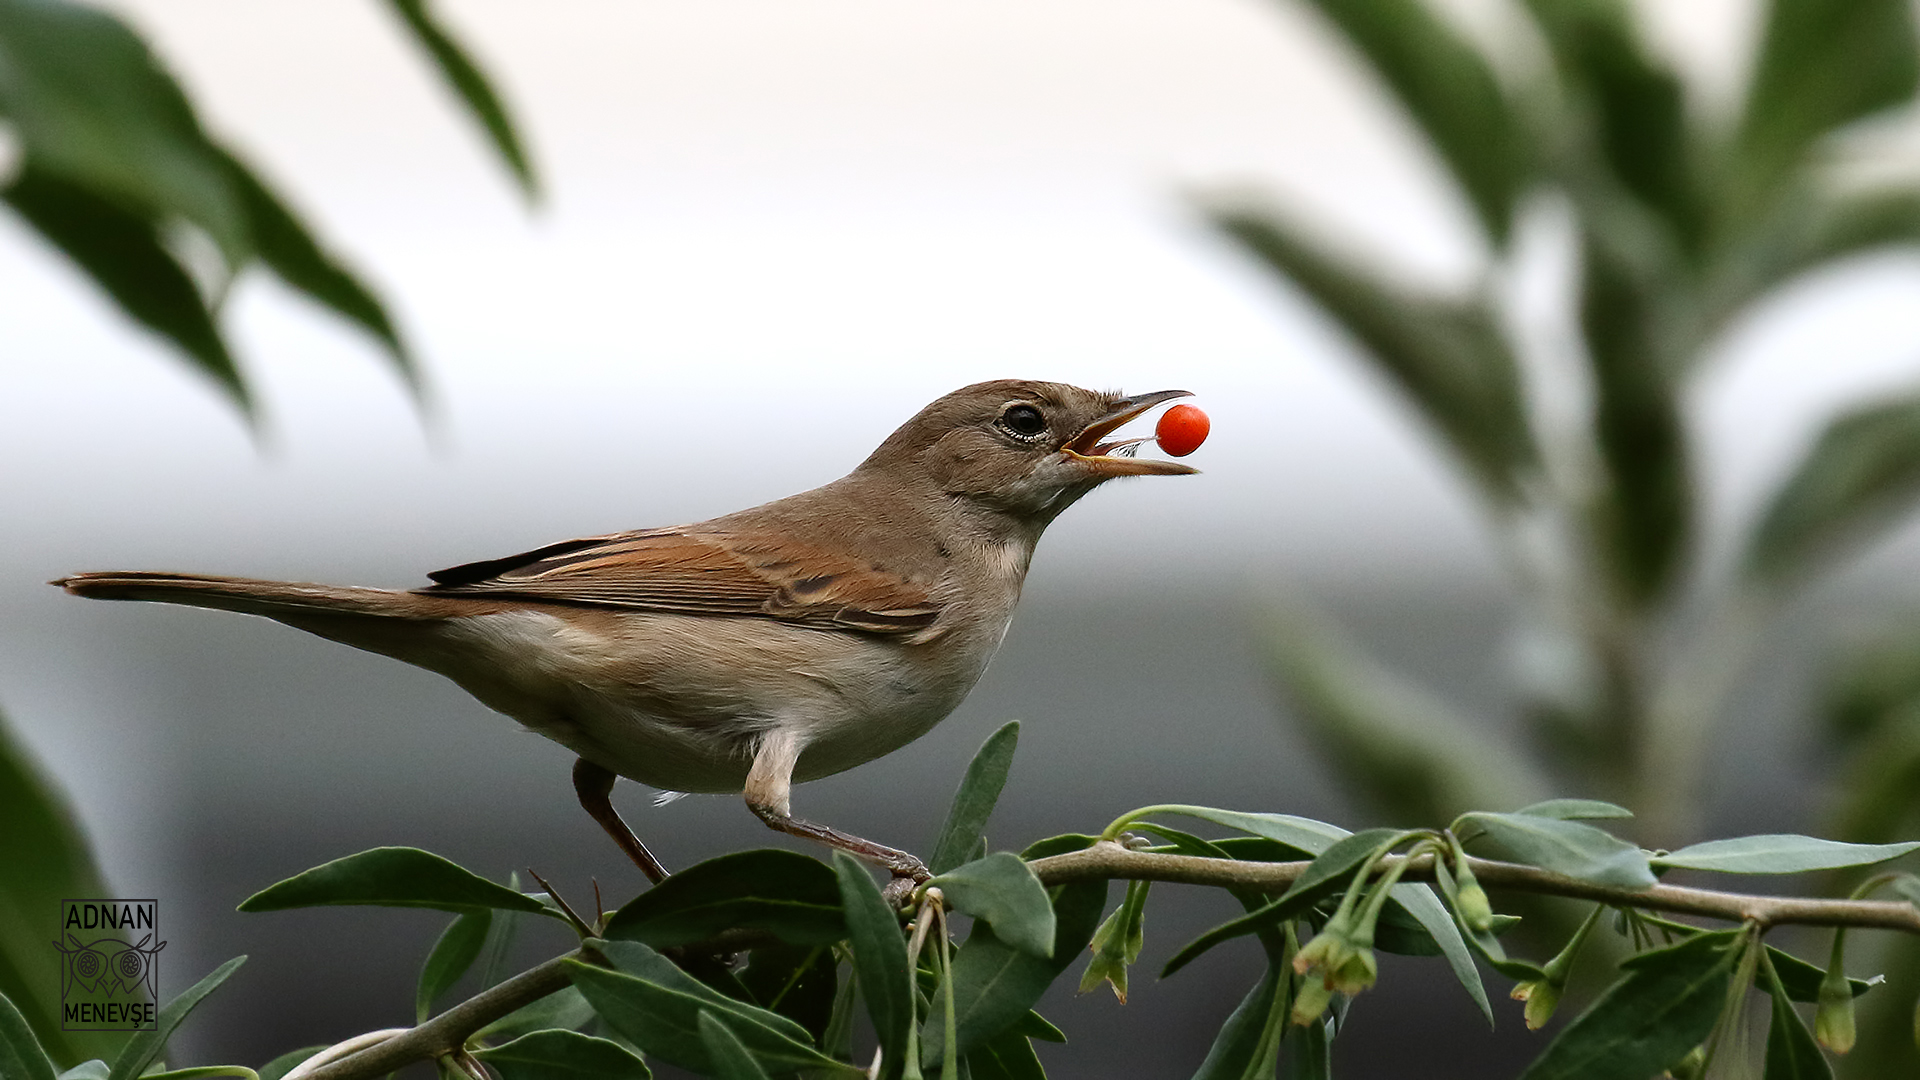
column 1833, row 1011
column 1310, row 999
column 1542, row 996
column 1471, row 901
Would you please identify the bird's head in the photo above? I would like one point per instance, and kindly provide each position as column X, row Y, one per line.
column 1028, row 449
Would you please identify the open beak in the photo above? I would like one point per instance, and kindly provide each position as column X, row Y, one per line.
column 1099, row 458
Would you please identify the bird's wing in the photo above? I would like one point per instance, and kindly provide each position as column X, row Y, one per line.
column 704, row 573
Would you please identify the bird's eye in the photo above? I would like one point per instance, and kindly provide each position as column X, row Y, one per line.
column 1024, row 421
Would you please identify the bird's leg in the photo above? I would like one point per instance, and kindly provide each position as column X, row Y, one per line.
column 593, row 784
column 769, row 793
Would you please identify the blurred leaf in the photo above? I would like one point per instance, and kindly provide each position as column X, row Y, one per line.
column 563, row 1055
column 47, row 859
column 1861, row 474
column 995, row 984
column 783, row 893
column 657, row 1006
column 1248, row 1046
column 1451, row 92
column 1309, row 1057
column 1871, row 683
column 145, row 1046
column 795, row 981
column 1447, row 356
column 1822, row 64
column 1663, row 1007
column 391, row 877
column 1882, row 773
column 284, row 1064
column 1791, row 1052
column 1637, row 108
column 1001, row 890
column 452, row 955
column 122, row 252
column 1779, row 854
column 1567, row 847
column 1646, row 516
column 1575, row 810
column 20, row 1053
column 282, row 242
column 1006, row 1056
column 973, row 803
column 880, row 962
column 564, row 1010
column 467, row 81
column 1851, row 223
column 95, row 110
column 730, row 1059
column 1403, row 749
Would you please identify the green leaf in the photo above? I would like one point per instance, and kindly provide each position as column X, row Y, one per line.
column 1058, row 845
column 1567, row 847
column 1262, row 918
column 880, row 962
column 89, row 1070
column 657, row 1006
column 784, row 893
column 973, row 803
column 1487, row 942
column 1035, row 1026
column 1575, row 810
column 1822, row 64
column 20, row 1053
column 1248, row 1045
column 563, row 1055
column 1003, row 891
column 391, row 877
column 284, row 1064
column 1451, row 92
column 1006, row 1056
column 1645, row 516
column 47, row 859
column 1779, row 854
column 283, row 242
column 452, row 955
column 1665, row 1005
column 1309, row 1057
column 466, row 80
column 1801, row 980
column 730, row 1058
column 996, row 984
column 1306, row 834
column 1397, row 745
column 1117, row 943
column 1862, row 474
column 122, row 252
column 1791, row 1052
column 564, row 1010
column 146, row 1045
column 1635, row 106
column 94, row 109
column 1447, row 356
column 1434, row 917
column 796, row 981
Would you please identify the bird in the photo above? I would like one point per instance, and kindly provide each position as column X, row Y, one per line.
column 755, row 650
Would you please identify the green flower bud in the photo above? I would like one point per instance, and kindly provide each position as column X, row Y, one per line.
column 1310, row 999
column 1471, row 900
column 1542, row 996
column 1833, row 1013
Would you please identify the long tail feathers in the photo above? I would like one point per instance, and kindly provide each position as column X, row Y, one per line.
column 274, row 599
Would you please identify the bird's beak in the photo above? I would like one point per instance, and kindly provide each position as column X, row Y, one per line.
column 1098, row 457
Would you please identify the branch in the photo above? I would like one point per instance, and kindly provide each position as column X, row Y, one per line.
column 1107, row 860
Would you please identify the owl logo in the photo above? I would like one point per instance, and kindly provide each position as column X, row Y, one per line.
column 109, row 967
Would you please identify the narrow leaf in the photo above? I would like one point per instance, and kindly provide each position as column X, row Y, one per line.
column 1862, row 474
column 784, row 893
column 1484, row 942
column 1447, row 356
column 20, row 1053
column 472, row 87
column 1247, row 1046
column 391, row 877
column 1306, row 834
column 1567, row 847
column 1575, row 810
column 1003, row 891
column 122, row 253
column 564, row 1010
column 1780, row 854
column 1309, row 1053
column 730, row 1058
column 799, row 982
column 1035, row 1026
column 995, row 984
column 285, row 1063
column 973, row 804
column 1664, row 1006
column 452, row 955
column 880, row 963
column 1791, row 1052
column 1006, row 1056
column 1434, row 917
column 146, row 1045
column 563, row 1055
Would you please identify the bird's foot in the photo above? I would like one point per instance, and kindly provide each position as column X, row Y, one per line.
column 902, row 865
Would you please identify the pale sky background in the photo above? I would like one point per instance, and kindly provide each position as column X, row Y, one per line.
column 772, row 231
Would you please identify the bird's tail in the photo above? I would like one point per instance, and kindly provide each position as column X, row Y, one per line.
column 274, row 599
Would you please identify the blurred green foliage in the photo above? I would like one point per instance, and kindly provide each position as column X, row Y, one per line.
column 1676, row 223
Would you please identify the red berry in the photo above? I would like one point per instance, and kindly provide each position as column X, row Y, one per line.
column 1181, row 430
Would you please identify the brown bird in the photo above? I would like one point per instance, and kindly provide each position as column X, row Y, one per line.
column 741, row 654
